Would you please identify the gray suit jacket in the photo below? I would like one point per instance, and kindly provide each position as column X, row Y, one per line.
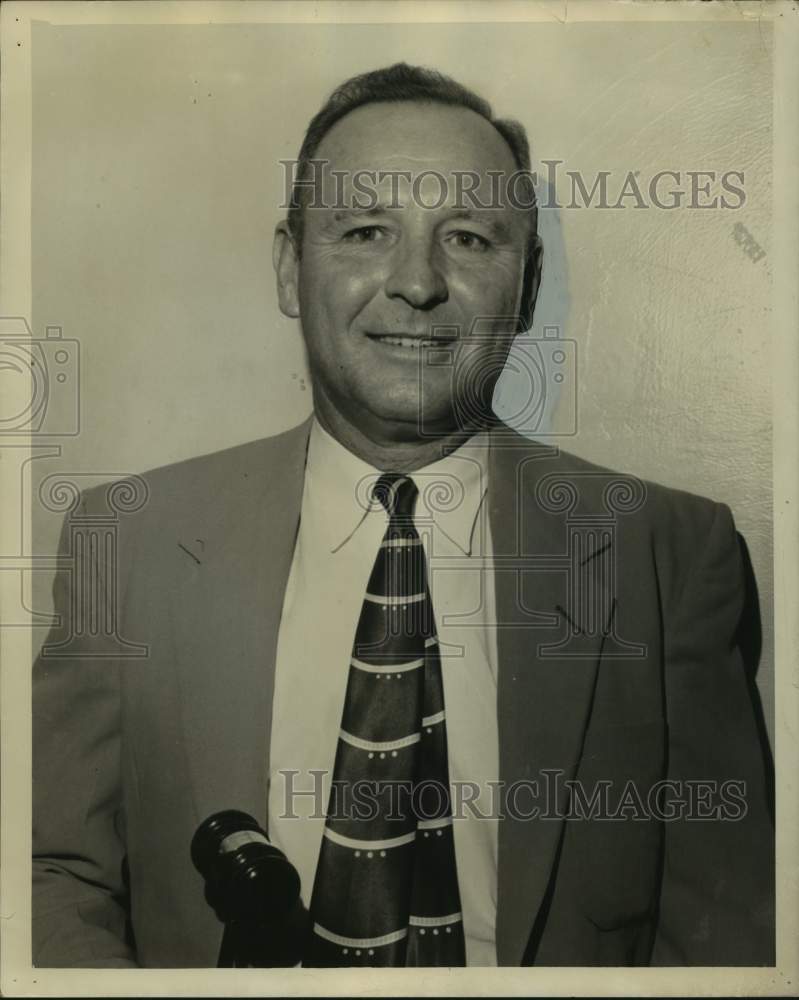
column 618, row 613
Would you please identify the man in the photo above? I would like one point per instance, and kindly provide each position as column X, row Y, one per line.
column 402, row 588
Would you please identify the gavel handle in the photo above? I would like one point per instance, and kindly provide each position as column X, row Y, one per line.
column 259, row 946
column 262, row 946
column 227, row 950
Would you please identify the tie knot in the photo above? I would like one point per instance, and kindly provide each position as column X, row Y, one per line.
column 397, row 493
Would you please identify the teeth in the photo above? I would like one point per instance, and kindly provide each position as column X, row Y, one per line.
column 412, row 342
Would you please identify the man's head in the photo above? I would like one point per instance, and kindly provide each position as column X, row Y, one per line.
column 414, row 229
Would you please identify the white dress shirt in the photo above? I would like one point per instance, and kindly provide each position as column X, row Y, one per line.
column 338, row 539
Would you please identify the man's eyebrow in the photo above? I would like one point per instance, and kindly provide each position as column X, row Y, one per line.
column 345, row 215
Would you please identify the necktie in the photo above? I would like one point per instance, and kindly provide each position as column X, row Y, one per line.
column 386, row 886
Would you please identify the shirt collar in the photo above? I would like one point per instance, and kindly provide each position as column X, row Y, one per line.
column 451, row 490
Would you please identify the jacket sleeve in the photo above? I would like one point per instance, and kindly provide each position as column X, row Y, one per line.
column 717, row 895
column 79, row 895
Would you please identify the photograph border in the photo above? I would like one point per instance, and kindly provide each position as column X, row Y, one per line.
column 17, row 977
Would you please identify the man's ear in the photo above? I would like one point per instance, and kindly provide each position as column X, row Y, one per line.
column 531, row 282
column 286, row 263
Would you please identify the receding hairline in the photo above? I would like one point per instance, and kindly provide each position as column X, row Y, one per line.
column 429, row 102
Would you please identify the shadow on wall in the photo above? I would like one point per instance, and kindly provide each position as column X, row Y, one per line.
column 540, row 376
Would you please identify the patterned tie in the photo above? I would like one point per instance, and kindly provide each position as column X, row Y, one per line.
column 386, row 887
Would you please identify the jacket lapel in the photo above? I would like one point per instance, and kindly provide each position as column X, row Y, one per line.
column 549, row 642
column 228, row 647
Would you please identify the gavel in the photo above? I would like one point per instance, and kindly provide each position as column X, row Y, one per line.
column 253, row 889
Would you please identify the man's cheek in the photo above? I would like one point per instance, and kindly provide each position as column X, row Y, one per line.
column 482, row 297
column 345, row 292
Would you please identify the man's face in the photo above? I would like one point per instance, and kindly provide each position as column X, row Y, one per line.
column 373, row 284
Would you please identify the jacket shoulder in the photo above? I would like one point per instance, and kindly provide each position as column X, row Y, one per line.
column 595, row 485
column 663, row 507
column 669, row 528
column 208, row 481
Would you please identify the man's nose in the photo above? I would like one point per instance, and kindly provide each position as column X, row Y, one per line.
column 416, row 276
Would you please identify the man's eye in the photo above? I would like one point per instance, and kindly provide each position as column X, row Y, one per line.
column 469, row 241
column 364, row 234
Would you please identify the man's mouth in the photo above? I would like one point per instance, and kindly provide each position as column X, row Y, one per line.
column 411, row 343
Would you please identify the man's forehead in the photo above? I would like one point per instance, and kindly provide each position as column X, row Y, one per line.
column 414, row 137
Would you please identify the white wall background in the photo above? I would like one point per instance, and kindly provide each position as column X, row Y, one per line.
column 155, row 191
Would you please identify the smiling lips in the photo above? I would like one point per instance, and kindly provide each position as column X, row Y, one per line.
column 409, row 341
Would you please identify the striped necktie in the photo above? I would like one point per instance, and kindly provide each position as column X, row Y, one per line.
column 386, row 887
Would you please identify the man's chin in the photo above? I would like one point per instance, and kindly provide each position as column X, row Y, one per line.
column 408, row 424
column 406, row 419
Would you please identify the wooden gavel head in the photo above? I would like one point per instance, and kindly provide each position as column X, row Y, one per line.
column 247, row 879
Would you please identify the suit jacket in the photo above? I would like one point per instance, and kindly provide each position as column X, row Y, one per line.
column 618, row 607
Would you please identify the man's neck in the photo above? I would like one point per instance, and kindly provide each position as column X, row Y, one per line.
column 396, row 454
